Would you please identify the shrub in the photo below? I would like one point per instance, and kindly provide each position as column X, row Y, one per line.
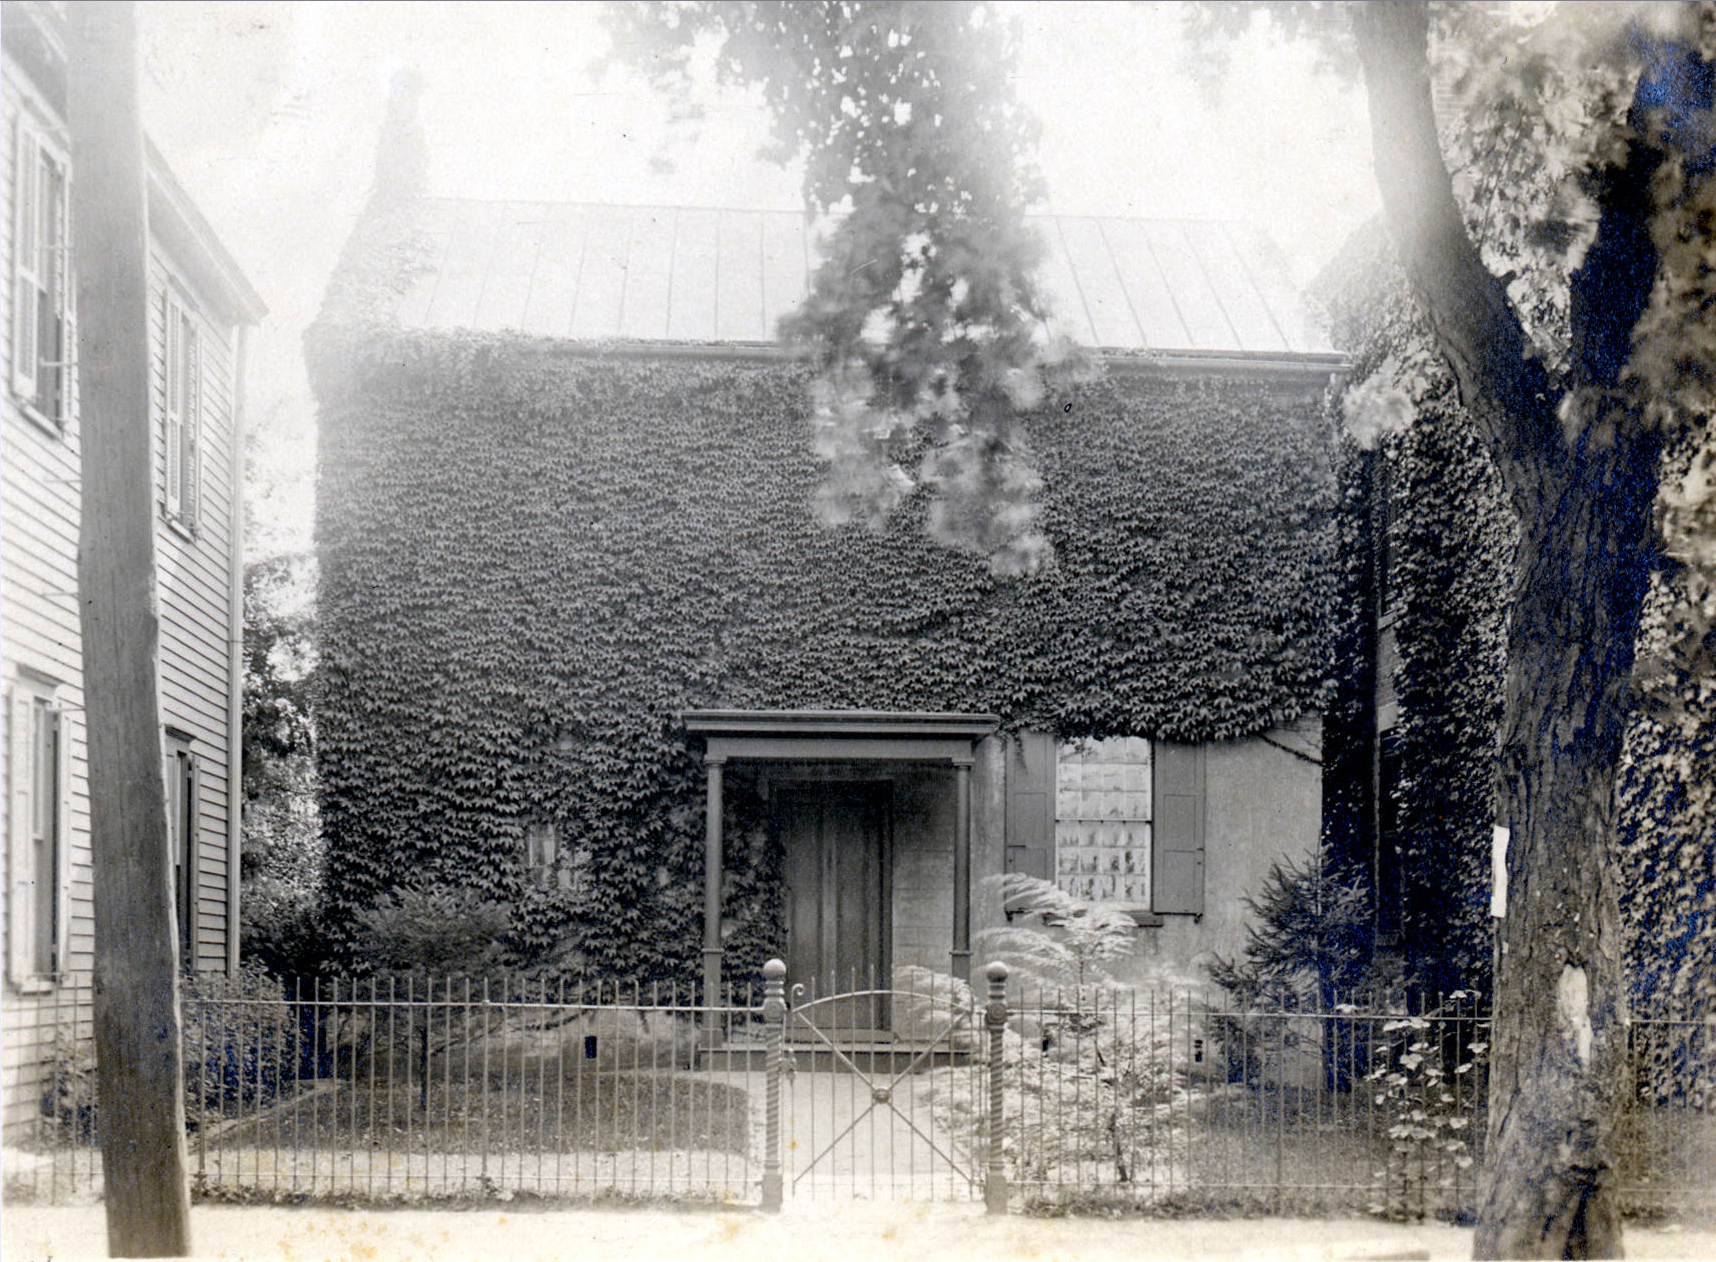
column 68, row 1104
column 240, row 1046
column 1310, row 947
column 1310, row 938
column 438, row 932
column 241, row 1042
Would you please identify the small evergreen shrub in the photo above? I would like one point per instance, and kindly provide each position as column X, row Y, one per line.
column 438, row 932
column 241, row 1042
column 1309, row 949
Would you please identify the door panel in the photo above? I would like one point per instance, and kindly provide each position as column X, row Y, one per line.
column 835, row 842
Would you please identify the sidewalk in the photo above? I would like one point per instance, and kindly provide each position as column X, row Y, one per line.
column 804, row 1233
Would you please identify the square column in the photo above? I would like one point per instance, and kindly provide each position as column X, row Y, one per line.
column 960, row 956
column 712, row 864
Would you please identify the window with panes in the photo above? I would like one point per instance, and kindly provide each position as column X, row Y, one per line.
column 44, row 336
column 182, row 421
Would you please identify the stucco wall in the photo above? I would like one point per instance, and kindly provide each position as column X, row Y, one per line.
column 1263, row 803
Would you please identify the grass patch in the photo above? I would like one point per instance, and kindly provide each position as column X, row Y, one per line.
column 612, row 1111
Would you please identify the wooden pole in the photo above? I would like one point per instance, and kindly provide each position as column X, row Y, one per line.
column 142, row 1093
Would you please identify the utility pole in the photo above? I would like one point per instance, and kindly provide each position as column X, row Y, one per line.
column 141, row 1081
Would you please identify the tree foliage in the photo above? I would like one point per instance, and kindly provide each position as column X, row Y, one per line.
column 283, row 860
column 924, row 315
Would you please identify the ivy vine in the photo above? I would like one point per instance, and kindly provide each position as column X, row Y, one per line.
column 533, row 559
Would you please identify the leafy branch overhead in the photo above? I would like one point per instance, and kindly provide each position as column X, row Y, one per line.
column 923, row 315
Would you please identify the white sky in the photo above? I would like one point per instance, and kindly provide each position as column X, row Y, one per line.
column 268, row 111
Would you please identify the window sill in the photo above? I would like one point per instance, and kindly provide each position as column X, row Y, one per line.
column 35, row 986
column 44, row 422
column 178, row 525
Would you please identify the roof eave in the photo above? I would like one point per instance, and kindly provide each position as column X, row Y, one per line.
column 181, row 227
column 1292, row 365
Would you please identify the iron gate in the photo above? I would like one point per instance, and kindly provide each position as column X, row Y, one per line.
column 883, row 1093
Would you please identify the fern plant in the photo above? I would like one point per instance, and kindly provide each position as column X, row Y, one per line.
column 1053, row 939
column 1092, row 1089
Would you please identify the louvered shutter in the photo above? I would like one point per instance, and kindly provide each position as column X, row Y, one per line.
column 190, row 839
column 19, row 914
column 1030, row 805
column 26, row 261
column 1177, row 877
column 68, row 304
column 173, row 432
column 62, row 849
column 191, row 408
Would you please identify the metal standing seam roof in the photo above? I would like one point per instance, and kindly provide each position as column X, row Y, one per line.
column 586, row 271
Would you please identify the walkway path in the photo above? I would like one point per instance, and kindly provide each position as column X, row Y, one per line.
column 804, row 1233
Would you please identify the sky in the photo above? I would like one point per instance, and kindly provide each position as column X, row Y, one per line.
column 267, row 111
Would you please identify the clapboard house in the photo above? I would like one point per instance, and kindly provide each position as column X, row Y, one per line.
column 200, row 305
column 587, row 653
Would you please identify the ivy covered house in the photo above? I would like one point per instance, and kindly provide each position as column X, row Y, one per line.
column 587, row 652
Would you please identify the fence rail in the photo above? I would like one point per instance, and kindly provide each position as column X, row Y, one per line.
column 407, row 1089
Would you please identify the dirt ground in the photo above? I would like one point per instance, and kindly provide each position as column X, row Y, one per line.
column 871, row 1233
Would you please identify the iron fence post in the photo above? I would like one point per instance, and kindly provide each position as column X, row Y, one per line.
column 995, row 1017
column 774, row 1021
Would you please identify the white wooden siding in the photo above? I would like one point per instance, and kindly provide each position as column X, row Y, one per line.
column 39, row 522
column 193, row 592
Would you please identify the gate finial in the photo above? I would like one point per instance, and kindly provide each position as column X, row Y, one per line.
column 995, row 1018
column 774, row 1021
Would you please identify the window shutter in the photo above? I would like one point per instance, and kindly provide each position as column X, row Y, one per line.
column 1177, row 881
column 173, row 396
column 68, row 304
column 1030, row 805
column 191, row 829
column 26, row 292
column 45, row 836
column 62, row 851
column 191, row 407
column 173, row 767
column 19, row 915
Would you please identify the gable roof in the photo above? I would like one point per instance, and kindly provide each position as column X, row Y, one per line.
column 586, row 271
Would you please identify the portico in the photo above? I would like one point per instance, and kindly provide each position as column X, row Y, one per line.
column 837, row 801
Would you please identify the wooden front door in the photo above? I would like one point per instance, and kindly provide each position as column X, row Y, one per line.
column 835, row 842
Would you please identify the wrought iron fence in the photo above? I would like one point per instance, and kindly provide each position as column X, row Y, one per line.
column 410, row 1088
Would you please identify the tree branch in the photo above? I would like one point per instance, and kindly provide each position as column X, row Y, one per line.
column 1501, row 383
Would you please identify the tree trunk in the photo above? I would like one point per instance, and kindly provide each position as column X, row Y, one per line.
column 1584, row 495
column 142, row 1094
column 1558, row 1058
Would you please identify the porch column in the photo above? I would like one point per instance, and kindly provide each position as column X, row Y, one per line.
column 961, row 953
column 712, row 885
